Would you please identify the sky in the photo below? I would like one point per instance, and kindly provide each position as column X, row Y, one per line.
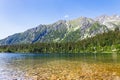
column 19, row 15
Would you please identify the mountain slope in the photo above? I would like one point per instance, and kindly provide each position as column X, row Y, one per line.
column 107, row 42
column 65, row 31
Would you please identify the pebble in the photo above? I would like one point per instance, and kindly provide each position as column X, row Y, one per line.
column 81, row 71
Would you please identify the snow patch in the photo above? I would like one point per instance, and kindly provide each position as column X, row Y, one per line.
column 76, row 28
column 57, row 39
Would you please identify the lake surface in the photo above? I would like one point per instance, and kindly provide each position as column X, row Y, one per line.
column 84, row 66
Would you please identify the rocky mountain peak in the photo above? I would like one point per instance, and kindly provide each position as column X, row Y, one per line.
column 62, row 30
column 107, row 18
column 110, row 21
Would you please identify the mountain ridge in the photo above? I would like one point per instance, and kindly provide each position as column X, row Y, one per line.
column 65, row 30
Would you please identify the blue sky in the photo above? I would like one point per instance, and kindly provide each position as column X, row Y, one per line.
column 20, row 15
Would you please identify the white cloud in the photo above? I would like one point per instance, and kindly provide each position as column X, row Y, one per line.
column 66, row 16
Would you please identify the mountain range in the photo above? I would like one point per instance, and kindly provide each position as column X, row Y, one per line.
column 65, row 30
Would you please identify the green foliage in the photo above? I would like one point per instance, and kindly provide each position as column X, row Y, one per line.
column 95, row 26
column 72, row 36
column 106, row 42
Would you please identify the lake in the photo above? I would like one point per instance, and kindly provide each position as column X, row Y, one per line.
column 84, row 66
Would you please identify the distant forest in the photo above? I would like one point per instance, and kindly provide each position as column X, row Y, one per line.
column 106, row 43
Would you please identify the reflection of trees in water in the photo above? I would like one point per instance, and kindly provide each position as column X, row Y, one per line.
column 94, row 56
column 114, row 57
column 100, row 57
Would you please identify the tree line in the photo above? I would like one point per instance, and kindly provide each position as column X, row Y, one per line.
column 105, row 42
